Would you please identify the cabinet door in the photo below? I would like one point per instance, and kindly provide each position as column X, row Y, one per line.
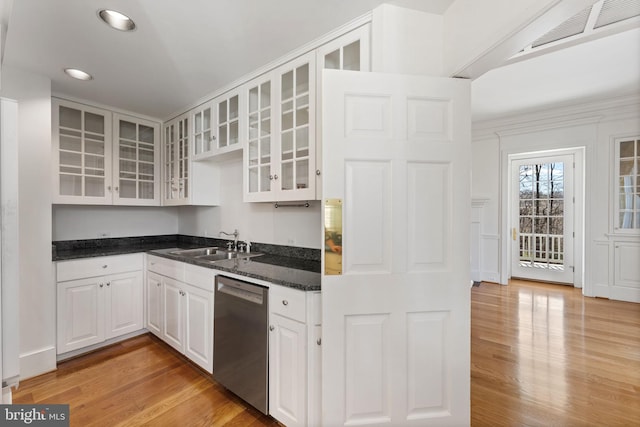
column 287, row 371
column 176, row 162
column 198, row 343
column 123, row 303
column 295, row 176
column 80, row 318
column 136, row 163
column 154, row 304
column 348, row 52
column 82, row 153
column 228, row 122
column 173, row 312
column 258, row 160
column 203, row 134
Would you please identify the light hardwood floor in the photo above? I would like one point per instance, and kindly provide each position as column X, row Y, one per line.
column 541, row 355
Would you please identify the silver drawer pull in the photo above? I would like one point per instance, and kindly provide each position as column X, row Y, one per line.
column 271, row 327
column 319, row 341
column 105, row 266
column 285, row 302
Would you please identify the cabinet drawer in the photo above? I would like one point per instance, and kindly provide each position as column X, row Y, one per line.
column 288, row 302
column 200, row 277
column 166, row 267
column 99, row 266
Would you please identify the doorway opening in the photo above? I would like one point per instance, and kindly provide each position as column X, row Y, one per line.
column 542, row 213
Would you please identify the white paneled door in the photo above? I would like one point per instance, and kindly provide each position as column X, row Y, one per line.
column 395, row 345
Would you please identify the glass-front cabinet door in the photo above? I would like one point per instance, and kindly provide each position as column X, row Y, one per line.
column 175, row 181
column 136, row 165
column 228, row 122
column 296, row 148
column 257, row 155
column 203, row 135
column 82, row 153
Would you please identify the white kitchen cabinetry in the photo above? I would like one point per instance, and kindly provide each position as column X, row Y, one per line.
column 137, row 165
column 282, row 150
column 203, row 134
column 103, row 158
column 293, row 358
column 185, row 182
column 81, row 153
column 180, row 307
column 351, row 52
column 98, row 299
column 154, row 304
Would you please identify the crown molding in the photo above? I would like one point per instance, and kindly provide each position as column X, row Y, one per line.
column 567, row 115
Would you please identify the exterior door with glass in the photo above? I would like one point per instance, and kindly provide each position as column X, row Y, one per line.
column 542, row 206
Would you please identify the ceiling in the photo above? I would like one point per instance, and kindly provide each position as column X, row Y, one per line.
column 180, row 51
column 184, row 50
column 601, row 68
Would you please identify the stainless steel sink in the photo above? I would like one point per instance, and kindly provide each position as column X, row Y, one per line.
column 212, row 254
column 196, row 252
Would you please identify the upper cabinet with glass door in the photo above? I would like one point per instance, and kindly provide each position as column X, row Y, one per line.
column 184, row 181
column 297, row 148
column 279, row 160
column 257, row 153
column 350, row 52
column 137, row 165
column 175, row 161
column 82, row 153
column 203, row 134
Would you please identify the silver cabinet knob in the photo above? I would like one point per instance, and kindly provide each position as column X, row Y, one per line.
column 158, row 284
column 105, row 266
column 271, row 327
column 101, row 284
column 108, row 283
column 318, row 172
column 319, row 341
column 275, row 176
column 285, row 302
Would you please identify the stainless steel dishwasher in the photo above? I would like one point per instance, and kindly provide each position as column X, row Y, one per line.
column 241, row 340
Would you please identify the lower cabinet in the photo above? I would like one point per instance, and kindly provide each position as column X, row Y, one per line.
column 181, row 314
column 94, row 309
column 293, row 357
column 287, row 370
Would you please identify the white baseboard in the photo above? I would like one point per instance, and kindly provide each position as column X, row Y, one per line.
column 490, row 276
column 87, row 349
column 37, row 362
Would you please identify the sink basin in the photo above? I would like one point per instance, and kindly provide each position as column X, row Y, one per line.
column 212, row 254
column 196, row 252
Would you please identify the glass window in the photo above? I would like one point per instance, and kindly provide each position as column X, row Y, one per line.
column 627, row 183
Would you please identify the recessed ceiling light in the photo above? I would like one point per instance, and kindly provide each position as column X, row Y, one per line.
column 78, row 74
column 117, row 20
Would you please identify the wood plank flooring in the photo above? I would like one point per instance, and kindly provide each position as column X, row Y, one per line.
column 544, row 355
column 541, row 355
column 139, row 382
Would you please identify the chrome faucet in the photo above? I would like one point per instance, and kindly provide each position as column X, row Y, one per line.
column 235, row 235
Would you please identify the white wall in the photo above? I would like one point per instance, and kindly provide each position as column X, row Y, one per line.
column 72, row 222
column 592, row 126
column 37, row 290
column 258, row 222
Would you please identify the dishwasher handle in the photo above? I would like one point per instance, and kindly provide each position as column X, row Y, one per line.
column 244, row 291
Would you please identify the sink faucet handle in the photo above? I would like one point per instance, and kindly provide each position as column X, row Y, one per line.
column 241, row 247
column 248, row 243
column 229, row 245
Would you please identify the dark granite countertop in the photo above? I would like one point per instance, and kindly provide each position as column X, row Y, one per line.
column 293, row 267
column 280, row 270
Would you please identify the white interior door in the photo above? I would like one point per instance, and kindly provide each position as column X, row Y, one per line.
column 542, row 206
column 395, row 345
